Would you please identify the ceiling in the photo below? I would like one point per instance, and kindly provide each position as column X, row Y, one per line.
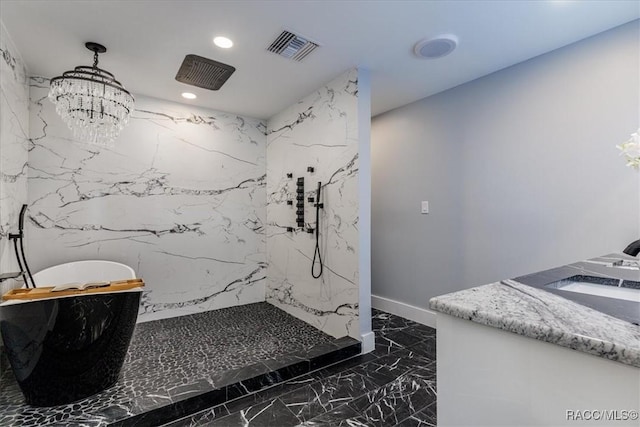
column 147, row 41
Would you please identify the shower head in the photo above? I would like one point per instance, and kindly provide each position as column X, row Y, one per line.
column 21, row 219
column 204, row 72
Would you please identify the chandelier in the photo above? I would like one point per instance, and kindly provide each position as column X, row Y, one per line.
column 93, row 104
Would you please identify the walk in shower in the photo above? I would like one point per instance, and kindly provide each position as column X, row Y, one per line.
column 195, row 201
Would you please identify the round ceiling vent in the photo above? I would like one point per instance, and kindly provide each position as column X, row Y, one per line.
column 436, row 47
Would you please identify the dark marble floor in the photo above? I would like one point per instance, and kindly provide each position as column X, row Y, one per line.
column 393, row 386
column 172, row 359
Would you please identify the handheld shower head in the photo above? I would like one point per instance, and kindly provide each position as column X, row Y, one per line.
column 21, row 219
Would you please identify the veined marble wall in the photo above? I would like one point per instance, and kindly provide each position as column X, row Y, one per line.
column 319, row 131
column 180, row 197
column 14, row 128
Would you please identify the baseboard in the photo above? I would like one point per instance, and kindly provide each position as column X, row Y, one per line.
column 368, row 342
column 411, row 312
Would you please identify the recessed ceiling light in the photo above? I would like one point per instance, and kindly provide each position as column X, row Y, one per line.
column 189, row 95
column 436, row 47
column 223, row 42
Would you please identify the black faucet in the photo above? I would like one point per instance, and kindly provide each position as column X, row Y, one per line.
column 633, row 249
column 18, row 240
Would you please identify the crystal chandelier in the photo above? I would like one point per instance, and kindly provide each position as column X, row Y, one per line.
column 93, row 104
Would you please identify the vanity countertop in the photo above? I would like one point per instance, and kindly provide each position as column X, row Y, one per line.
column 521, row 306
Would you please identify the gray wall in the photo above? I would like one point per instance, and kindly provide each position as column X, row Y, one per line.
column 519, row 167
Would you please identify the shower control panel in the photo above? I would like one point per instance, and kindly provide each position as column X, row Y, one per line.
column 299, row 202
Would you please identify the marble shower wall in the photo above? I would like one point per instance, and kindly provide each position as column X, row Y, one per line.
column 180, row 197
column 14, row 128
column 319, row 131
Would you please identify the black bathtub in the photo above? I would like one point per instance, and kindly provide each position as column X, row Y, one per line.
column 67, row 348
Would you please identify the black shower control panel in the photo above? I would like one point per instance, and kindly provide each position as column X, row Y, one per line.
column 301, row 202
column 300, row 198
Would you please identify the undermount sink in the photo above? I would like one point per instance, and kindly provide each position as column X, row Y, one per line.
column 628, row 290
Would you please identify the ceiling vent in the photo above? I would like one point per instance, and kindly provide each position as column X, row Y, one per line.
column 203, row 72
column 292, row 46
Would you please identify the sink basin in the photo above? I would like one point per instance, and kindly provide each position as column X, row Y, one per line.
column 628, row 290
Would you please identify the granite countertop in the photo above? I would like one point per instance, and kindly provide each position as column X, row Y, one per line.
column 521, row 306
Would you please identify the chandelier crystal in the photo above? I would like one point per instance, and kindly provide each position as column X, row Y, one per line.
column 93, row 104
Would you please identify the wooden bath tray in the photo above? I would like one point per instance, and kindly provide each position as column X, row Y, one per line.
column 40, row 293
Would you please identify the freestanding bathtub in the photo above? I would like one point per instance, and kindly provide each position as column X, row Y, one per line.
column 66, row 348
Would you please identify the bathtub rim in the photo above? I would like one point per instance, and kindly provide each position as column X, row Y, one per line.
column 129, row 270
column 17, row 301
column 62, row 266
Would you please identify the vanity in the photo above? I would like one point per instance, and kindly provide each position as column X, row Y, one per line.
column 558, row 347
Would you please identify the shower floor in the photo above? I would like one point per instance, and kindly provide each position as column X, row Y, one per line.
column 175, row 366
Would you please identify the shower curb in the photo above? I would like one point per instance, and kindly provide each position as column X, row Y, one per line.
column 231, row 385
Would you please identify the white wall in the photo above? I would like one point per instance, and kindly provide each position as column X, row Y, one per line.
column 520, row 169
column 14, row 128
column 180, row 197
column 322, row 131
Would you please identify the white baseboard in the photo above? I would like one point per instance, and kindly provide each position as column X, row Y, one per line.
column 411, row 312
column 368, row 342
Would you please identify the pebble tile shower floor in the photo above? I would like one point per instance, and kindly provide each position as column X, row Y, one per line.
column 170, row 358
column 395, row 385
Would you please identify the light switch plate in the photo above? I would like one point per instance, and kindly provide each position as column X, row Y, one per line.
column 425, row 207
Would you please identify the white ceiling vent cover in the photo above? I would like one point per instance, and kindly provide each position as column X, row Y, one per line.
column 292, row 46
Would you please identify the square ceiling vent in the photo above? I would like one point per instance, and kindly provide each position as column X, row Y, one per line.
column 292, row 46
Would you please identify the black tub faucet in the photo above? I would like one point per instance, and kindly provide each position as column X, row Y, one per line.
column 633, row 249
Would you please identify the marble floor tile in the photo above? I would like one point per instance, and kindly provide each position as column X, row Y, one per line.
column 426, row 348
column 343, row 416
column 201, row 418
column 385, row 322
column 272, row 413
column 425, row 418
column 387, row 368
column 395, row 401
column 402, row 338
column 385, row 345
column 326, row 394
column 344, row 366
